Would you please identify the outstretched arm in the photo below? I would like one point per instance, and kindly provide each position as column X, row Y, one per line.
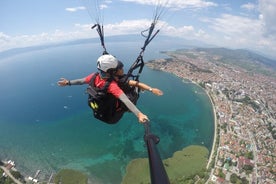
column 144, row 86
column 65, row 82
column 142, row 118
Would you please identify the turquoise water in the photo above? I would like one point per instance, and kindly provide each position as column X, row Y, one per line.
column 46, row 127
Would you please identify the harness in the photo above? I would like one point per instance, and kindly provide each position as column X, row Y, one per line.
column 101, row 102
column 131, row 92
column 105, row 106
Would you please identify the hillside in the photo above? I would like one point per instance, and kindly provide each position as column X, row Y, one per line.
column 245, row 59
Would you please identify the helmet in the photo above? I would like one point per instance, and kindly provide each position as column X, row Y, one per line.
column 107, row 63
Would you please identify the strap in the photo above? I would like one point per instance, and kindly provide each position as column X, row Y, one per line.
column 106, row 85
column 91, row 83
column 139, row 63
column 100, row 30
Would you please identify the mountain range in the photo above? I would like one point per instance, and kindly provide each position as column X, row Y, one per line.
column 240, row 57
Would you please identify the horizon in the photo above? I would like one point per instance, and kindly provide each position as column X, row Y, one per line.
column 114, row 39
column 235, row 25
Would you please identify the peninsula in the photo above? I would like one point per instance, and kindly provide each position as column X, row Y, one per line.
column 242, row 87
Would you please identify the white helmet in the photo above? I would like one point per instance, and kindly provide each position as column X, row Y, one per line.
column 107, row 62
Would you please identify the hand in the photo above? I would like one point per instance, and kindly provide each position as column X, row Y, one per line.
column 157, row 92
column 142, row 118
column 63, row 82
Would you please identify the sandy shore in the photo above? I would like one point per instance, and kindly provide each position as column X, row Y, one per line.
column 215, row 131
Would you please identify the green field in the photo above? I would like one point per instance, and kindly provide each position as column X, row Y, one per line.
column 69, row 176
column 182, row 167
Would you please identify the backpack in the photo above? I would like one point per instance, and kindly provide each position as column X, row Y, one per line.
column 102, row 103
column 105, row 106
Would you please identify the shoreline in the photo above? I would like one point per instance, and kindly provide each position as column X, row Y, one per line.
column 215, row 130
column 213, row 107
column 214, row 114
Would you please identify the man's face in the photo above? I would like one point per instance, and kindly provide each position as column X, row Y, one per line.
column 120, row 72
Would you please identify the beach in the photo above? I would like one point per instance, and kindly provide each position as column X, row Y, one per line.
column 215, row 131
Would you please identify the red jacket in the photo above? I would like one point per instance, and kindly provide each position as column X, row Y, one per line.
column 113, row 88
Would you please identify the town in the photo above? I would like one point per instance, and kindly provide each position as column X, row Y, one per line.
column 244, row 148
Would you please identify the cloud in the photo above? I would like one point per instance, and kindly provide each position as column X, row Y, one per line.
column 127, row 27
column 236, row 25
column 74, row 9
column 237, row 28
column 103, row 6
column 9, row 42
column 183, row 31
column 3, row 37
column 136, row 26
column 175, row 4
column 248, row 6
column 267, row 9
column 240, row 32
column 82, row 31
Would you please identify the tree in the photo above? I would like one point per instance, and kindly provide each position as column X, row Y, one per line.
column 250, row 155
column 248, row 167
column 221, row 174
column 201, row 174
column 244, row 180
column 234, row 178
column 16, row 174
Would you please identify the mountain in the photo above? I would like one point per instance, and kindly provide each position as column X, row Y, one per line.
column 240, row 57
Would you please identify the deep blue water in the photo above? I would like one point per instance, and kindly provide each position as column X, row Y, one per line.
column 46, row 127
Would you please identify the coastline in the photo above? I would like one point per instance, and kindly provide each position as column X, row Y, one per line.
column 214, row 114
column 212, row 104
column 215, row 130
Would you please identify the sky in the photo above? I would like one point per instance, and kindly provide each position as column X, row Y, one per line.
column 235, row 24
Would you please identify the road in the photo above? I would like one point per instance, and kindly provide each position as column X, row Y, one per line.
column 10, row 175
